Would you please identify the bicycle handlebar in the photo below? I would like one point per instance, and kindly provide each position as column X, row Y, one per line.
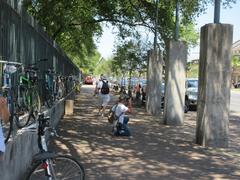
column 11, row 63
column 41, row 60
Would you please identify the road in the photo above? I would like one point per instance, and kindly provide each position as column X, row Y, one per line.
column 235, row 101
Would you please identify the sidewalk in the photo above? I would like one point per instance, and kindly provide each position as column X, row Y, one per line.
column 155, row 152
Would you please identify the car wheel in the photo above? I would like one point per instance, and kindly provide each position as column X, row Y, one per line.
column 186, row 106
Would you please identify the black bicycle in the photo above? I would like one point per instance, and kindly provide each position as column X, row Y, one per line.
column 49, row 165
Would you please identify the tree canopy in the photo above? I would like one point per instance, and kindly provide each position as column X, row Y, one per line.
column 74, row 24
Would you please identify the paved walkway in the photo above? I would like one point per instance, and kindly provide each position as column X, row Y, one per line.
column 155, row 152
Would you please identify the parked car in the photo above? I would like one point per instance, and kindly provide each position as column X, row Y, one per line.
column 191, row 95
column 88, row 80
column 237, row 85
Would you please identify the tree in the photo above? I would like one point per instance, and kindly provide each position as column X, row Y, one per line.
column 105, row 67
column 75, row 23
column 236, row 61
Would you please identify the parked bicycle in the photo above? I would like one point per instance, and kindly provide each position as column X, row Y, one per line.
column 28, row 99
column 49, row 87
column 49, row 165
column 8, row 69
column 60, row 88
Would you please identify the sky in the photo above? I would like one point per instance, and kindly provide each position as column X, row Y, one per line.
column 106, row 42
column 228, row 16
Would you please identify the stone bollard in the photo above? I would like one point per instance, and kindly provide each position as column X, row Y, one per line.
column 69, row 107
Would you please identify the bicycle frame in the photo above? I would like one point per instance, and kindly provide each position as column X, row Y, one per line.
column 28, row 81
column 24, row 80
column 47, row 165
column 50, row 81
column 42, row 144
column 48, row 88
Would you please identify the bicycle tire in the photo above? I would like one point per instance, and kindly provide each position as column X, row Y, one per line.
column 23, row 123
column 7, row 129
column 32, row 103
column 62, row 171
column 48, row 98
column 36, row 102
column 21, row 106
column 35, row 107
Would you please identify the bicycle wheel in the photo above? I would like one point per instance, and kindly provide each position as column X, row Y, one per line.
column 7, row 129
column 22, row 108
column 61, row 167
column 48, row 98
column 36, row 102
column 21, row 100
column 31, row 101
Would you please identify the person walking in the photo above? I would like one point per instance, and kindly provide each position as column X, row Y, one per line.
column 4, row 115
column 96, row 91
column 104, row 96
column 137, row 91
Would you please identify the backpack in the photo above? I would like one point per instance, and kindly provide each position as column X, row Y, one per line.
column 105, row 88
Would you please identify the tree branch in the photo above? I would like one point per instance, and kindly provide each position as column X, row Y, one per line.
column 57, row 32
column 131, row 24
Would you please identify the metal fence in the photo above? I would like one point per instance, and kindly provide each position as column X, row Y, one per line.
column 23, row 40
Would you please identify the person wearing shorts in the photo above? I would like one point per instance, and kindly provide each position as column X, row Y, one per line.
column 103, row 98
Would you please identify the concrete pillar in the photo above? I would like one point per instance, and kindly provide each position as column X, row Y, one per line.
column 154, row 80
column 175, row 83
column 214, row 85
column 69, row 104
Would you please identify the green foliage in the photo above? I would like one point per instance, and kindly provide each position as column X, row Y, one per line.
column 105, row 67
column 69, row 23
column 189, row 35
column 192, row 70
column 236, row 61
column 129, row 57
column 75, row 23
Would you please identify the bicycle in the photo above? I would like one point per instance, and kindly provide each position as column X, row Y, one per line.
column 48, row 87
column 60, row 88
column 49, row 165
column 28, row 99
column 7, row 90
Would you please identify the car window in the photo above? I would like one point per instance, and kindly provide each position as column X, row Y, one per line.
column 192, row 83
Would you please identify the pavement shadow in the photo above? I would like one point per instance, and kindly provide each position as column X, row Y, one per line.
column 156, row 151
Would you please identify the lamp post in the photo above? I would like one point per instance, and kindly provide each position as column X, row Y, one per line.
column 177, row 21
column 156, row 25
column 217, row 8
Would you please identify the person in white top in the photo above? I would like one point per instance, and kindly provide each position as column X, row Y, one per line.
column 123, row 106
column 4, row 115
column 104, row 96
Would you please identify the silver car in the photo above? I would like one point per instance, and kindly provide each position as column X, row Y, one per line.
column 191, row 92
